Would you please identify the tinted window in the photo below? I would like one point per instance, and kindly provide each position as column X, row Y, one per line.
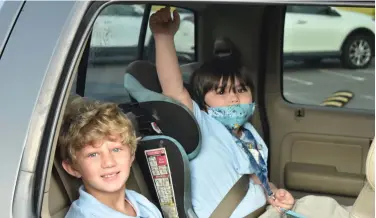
column 184, row 37
column 122, row 10
column 113, row 46
column 309, row 9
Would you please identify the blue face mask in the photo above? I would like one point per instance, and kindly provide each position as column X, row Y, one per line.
column 232, row 116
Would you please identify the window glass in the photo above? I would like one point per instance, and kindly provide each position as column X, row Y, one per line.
column 329, row 59
column 309, row 9
column 1, row 4
column 123, row 10
column 184, row 37
column 113, row 46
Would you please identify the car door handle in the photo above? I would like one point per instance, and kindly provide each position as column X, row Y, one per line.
column 302, row 22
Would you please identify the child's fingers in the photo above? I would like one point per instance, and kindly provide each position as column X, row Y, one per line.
column 176, row 17
column 280, row 193
column 287, row 200
column 284, row 198
column 155, row 18
column 166, row 14
column 283, row 205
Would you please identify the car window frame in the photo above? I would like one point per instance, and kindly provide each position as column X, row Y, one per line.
column 80, row 84
column 290, row 9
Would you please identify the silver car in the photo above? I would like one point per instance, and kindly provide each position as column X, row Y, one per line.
column 44, row 57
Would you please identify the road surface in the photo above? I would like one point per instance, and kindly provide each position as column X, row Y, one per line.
column 312, row 84
column 301, row 84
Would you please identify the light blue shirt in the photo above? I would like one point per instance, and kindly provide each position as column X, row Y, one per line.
column 88, row 206
column 219, row 165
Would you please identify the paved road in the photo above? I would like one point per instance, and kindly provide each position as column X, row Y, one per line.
column 312, row 84
column 302, row 84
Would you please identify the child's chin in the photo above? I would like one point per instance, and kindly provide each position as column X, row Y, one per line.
column 113, row 187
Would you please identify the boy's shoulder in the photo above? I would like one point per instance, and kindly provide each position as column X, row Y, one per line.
column 143, row 206
column 135, row 196
column 88, row 206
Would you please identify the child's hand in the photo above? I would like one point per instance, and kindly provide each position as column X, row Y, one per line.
column 161, row 22
column 283, row 199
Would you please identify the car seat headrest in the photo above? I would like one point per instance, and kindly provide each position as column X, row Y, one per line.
column 188, row 69
column 174, row 119
column 145, row 73
column 370, row 165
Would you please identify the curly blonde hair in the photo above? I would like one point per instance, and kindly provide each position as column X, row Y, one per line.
column 87, row 121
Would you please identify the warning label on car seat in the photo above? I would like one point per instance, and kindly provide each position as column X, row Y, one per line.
column 159, row 168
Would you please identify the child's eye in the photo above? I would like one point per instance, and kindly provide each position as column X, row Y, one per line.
column 220, row 92
column 92, row 154
column 241, row 90
column 116, row 149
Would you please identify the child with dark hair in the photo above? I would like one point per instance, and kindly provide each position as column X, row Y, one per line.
column 222, row 103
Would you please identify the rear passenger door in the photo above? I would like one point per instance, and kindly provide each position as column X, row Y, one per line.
column 317, row 148
column 114, row 43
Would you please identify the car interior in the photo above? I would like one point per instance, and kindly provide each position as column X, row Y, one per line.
column 313, row 149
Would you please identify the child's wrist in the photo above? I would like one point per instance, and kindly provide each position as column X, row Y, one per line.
column 163, row 37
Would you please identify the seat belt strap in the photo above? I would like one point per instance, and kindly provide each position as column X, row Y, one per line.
column 232, row 199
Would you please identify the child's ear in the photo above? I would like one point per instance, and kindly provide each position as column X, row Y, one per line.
column 68, row 167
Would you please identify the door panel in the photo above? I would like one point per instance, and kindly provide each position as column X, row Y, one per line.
column 338, row 161
column 316, row 149
column 309, row 156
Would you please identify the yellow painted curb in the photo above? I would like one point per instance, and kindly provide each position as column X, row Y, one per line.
column 338, row 99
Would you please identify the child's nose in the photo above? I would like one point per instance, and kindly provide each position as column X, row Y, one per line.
column 108, row 160
column 234, row 97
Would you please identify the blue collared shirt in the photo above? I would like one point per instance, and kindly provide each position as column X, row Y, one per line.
column 88, row 206
column 219, row 165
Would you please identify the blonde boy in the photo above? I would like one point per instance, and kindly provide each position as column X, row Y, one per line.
column 97, row 143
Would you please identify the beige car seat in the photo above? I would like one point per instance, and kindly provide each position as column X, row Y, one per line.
column 364, row 206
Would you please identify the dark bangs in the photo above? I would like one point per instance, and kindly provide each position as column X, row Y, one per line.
column 208, row 77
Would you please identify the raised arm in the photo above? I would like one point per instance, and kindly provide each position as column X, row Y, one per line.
column 170, row 77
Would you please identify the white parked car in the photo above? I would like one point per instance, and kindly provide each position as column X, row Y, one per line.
column 312, row 33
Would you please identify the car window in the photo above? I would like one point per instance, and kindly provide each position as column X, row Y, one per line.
column 184, row 37
column 113, row 46
column 1, row 4
column 308, row 9
column 329, row 61
column 123, row 10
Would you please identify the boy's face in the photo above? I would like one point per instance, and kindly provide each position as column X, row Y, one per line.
column 103, row 167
